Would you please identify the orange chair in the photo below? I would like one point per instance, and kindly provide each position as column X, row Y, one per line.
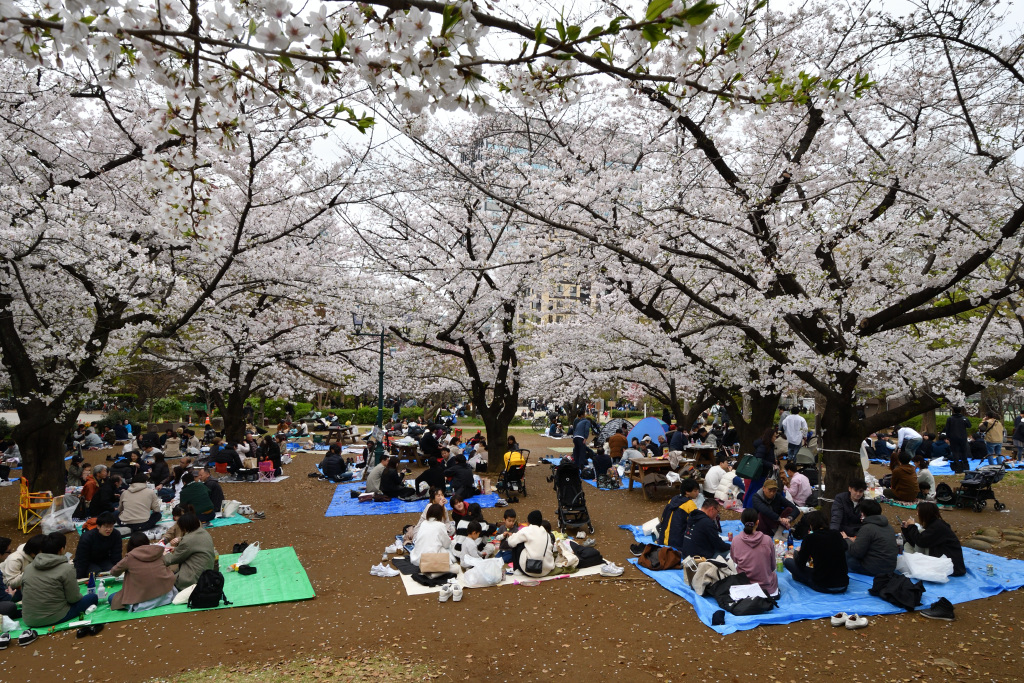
column 30, row 503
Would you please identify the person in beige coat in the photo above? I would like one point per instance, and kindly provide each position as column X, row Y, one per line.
column 533, row 542
column 139, row 509
column 148, row 582
column 194, row 553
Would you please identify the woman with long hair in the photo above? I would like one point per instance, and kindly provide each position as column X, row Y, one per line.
column 937, row 537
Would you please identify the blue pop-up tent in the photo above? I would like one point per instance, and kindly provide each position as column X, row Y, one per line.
column 649, row 426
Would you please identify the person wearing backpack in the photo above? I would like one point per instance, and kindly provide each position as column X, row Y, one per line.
column 194, row 553
column 754, row 554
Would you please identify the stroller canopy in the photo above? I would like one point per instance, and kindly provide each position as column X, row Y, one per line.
column 649, row 426
column 610, row 428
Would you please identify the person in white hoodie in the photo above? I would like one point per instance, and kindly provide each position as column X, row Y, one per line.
column 431, row 536
column 532, row 542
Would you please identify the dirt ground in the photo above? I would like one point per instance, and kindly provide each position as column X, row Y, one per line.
column 619, row 629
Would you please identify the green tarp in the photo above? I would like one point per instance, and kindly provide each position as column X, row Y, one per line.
column 279, row 577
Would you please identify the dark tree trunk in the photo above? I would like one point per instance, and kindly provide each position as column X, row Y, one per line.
column 497, row 415
column 40, row 436
column 234, row 415
column 840, row 434
column 686, row 419
column 762, row 415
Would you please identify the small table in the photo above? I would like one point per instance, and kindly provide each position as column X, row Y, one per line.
column 703, row 455
column 640, row 466
column 410, row 453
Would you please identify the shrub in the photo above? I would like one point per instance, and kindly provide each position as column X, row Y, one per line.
column 5, row 428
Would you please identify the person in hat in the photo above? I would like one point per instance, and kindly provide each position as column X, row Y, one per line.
column 774, row 511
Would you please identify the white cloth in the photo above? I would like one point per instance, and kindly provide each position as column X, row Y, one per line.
column 431, row 537
column 865, row 461
column 906, row 433
column 795, row 428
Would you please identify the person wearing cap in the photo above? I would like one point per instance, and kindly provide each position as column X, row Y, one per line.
column 774, row 511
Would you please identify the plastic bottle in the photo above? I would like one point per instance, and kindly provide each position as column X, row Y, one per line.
column 101, row 591
column 789, row 542
column 899, row 544
column 779, row 554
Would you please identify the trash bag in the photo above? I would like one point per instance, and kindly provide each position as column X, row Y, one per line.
column 229, row 507
column 489, row 572
column 59, row 518
column 924, row 567
column 248, row 555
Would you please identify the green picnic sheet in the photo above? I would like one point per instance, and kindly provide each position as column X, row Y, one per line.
column 279, row 577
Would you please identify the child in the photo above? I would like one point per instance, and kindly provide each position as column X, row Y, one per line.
column 467, row 546
column 509, row 525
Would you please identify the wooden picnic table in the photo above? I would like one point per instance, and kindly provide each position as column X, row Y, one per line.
column 703, row 455
column 410, row 453
column 640, row 467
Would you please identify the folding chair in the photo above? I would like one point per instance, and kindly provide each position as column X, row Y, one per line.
column 30, row 503
column 267, row 471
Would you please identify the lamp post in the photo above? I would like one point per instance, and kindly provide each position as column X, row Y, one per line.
column 357, row 323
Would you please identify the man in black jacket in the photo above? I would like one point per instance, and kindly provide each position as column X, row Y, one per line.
column 213, row 486
column 956, row 430
column 428, row 443
column 845, row 513
column 99, row 549
column 703, row 532
column 462, row 478
column 333, row 466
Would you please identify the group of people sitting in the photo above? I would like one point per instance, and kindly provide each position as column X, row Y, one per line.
column 857, row 539
column 40, row 576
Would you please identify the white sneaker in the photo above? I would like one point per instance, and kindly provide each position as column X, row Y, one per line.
column 855, row 621
column 446, row 592
column 456, row 592
column 611, row 569
column 394, row 548
column 582, row 534
column 387, row 572
column 839, row 619
column 375, row 569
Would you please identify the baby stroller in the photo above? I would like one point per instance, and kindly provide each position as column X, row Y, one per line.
column 976, row 488
column 572, row 502
column 512, row 481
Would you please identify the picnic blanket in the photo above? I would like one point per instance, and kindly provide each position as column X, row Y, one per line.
column 556, row 461
column 945, row 470
column 344, row 505
column 279, row 577
column 798, row 602
column 166, row 522
column 909, row 505
column 413, row 588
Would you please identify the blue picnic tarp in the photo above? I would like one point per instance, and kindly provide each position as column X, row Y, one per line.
column 798, row 602
column 344, row 505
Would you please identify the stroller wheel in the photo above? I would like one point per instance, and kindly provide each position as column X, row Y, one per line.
column 999, row 507
column 590, row 528
column 978, row 506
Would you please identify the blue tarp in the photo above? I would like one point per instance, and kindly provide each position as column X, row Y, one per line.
column 649, row 426
column 798, row 602
column 555, row 460
column 344, row 505
column 944, row 470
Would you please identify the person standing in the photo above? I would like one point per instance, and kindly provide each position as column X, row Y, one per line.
column 909, row 440
column 617, row 444
column 992, row 428
column 794, row 426
column 1018, row 435
column 956, row 429
column 580, row 433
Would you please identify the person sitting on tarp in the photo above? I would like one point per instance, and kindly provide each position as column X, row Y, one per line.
column 99, row 549
column 392, row 482
column 754, row 554
column 703, row 537
column 148, row 582
column 672, row 529
column 799, row 488
column 333, row 466
column 51, row 593
column 774, row 511
column 937, row 538
column 716, row 474
column 873, row 552
column 820, row 563
column 555, row 429
column 925, row 478
column 903, row 485
column 846, row 515
column 532, row 542
column 105, row 498
column 461, row 475
column 196, row 494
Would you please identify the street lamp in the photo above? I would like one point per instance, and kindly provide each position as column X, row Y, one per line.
column 357, row 322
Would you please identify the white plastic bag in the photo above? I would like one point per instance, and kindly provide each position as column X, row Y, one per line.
column 485, row 573
column 249, row 554
column 565, row 557
column 924, row 567
column 228, row 508
column 59, row 518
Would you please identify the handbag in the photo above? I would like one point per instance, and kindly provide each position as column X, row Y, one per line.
column 750, row 467
column 537, row 566
column 434, row 562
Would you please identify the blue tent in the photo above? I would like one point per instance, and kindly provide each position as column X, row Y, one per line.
column 649, row 426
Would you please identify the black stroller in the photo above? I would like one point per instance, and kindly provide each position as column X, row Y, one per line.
column 512, row 481
column 572, row 502
column 976, row 488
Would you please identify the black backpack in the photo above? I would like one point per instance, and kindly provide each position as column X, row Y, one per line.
column 209, row 591
column 897, row 590
column 743, row 607
column 944, row 494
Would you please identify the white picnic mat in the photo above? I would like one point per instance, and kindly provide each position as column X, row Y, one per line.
column 413, row 588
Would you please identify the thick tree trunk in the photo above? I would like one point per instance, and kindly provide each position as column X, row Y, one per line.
column 234, row 415
column 928, row 425
column 761, row 409
column 497, row 415
column 841, row 435
column 40, row 436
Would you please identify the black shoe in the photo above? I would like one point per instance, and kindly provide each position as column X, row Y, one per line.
column 941, row 609
column 27, row 637
column 82, row 632
column 95, row 629
column 637, row 548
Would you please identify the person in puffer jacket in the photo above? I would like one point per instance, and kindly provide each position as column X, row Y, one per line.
column 873, row 552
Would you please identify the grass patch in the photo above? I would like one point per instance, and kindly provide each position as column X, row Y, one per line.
column 352, row 669
column 1013, row 479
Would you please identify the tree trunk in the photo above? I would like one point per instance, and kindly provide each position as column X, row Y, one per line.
column 234, row 416
column 497, row 415
column 40, row 436
column 761, row 409
column 841, row 434
column 928, row 425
